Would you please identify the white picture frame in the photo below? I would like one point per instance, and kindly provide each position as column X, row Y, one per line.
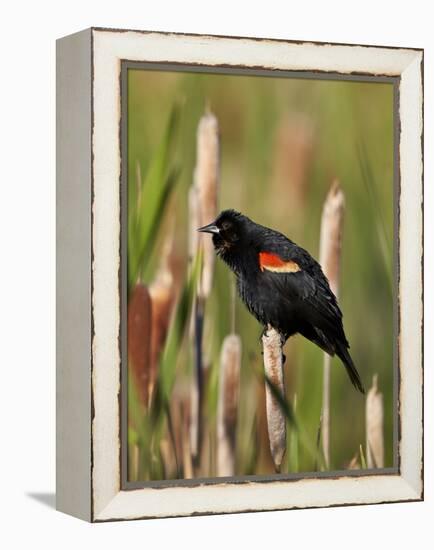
column 89, row 152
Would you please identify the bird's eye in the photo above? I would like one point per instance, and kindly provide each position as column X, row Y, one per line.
column 226, row 225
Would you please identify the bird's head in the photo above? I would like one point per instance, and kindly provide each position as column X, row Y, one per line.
column 228, row 231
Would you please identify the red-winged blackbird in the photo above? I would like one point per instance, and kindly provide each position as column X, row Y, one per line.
column 281, row 284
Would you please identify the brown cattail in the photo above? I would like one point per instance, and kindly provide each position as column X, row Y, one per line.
column 227, row 411
column 139, row 339
column 330, row 259
column 206, row 180
column 374, row 426
column 273, row 366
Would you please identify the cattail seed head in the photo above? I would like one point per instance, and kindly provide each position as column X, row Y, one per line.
column 229, row 386
column 273, row 367
column 206, row 181
column 139, row 339
column 331, row 235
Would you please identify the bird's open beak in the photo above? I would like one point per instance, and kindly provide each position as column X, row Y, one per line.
column 210, row 228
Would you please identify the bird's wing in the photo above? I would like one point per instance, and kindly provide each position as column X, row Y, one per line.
column 299, row 279
column 270, row 261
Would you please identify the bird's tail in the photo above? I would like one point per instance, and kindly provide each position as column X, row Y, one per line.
column 345, row 357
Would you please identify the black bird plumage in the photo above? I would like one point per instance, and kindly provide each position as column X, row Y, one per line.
column 282, row 285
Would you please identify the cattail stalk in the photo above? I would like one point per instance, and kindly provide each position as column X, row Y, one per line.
column 227, row 410
column 139, row 338
column 195, row 336
column 187, row 466
column 194, row 223
column 374, row 426
column 264, row 458
column 330, row 259
column 133, row 466
column 354, row 463
column 197, row 387
column 203, row 198
column 273, row 366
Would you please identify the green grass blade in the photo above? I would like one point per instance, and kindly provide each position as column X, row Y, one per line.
column 383, row 238
column 176, row 332
column 169, row 186
column 158, row 183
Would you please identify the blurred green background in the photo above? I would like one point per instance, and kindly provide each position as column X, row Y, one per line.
column 283, row 142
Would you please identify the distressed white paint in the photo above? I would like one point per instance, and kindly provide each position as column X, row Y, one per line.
column 410, row 233
column 210, row 50
column 109, row 48
column 106, row 239
column 222, row 498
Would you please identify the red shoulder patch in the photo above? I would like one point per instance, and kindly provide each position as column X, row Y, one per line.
column 273, row 262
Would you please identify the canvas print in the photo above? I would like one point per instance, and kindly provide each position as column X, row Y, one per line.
column 260, row 280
